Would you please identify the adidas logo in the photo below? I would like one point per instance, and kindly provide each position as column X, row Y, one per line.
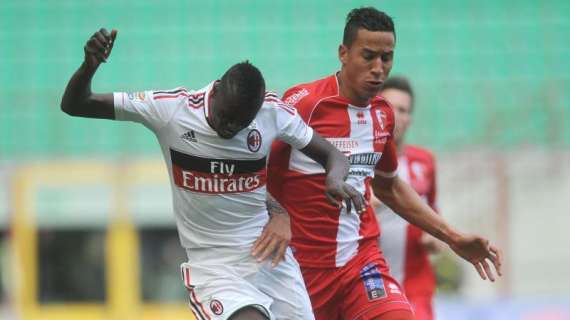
column 189, row 136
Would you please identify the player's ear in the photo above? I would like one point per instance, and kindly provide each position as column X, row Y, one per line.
column 342, row 53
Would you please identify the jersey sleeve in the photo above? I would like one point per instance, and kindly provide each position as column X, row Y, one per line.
column 154, row 109
column 387, row 167
column 290, row 127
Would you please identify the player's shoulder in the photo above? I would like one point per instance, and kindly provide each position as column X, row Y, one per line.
column 309, row 93
column 272, row 103
column 194, row 98
column 381, row 102
column 419, row 153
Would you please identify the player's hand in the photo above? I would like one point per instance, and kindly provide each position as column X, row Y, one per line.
column 338, row 189
column 479, row 252
column 274, row 240
column 99, row 46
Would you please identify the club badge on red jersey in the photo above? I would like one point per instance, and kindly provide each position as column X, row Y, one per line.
column 380, row 115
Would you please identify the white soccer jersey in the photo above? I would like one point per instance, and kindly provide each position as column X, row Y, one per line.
column 218, row 185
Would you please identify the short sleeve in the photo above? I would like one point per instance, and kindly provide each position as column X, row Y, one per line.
column 154, row 109
column 290, row 127
column 387, row 167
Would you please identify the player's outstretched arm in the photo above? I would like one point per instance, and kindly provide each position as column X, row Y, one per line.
column 78, row 100
column 336, row 166
column 403, row 200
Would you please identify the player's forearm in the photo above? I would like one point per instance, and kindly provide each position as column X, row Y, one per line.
column 78, row 90
column 337, row 166
column 335, row 163
column 274, row 207
column 403, row 200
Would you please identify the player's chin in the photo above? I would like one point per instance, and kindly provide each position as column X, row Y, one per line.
column 226, row 134
column 369, row 91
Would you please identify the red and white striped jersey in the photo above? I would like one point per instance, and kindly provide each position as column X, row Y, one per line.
column 400, row 241
column 325, row 236
column 218, row 185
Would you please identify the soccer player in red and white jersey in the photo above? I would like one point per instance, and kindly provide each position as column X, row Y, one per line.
column 343, row 268
column 405, row 246
column 215, row 142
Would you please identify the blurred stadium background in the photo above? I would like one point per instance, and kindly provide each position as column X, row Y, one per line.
column 86, row 229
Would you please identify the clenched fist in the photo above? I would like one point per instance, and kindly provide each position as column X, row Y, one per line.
column 99, row 46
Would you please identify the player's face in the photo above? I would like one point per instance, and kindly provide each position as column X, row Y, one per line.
column 402, row 103
column 366, row 64
column 229, row 117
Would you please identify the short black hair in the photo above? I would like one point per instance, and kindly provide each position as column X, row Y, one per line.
column 244, row 83
column 400, row 83
column 368, row 18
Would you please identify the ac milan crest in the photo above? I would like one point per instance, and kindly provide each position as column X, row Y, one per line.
column 217, row 307
column 254, row 140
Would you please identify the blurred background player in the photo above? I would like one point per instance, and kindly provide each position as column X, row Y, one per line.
column 405, row 246
column 345, row 273
column 215, row 142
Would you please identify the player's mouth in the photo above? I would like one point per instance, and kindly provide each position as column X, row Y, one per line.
column 375, row 84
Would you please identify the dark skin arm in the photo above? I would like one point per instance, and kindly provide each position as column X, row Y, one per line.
column 277, row 233
column 336, row 166
column 403, row 200
column 78, row 100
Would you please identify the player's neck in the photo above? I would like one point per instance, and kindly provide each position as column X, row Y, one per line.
column 211, row 104
column 349, row 93
column 400, row 147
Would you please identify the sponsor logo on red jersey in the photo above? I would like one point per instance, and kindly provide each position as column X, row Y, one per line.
column 217, row 176
column 380, row 136
column 365, row 158
column 373, row 282
column 295, row 97
column 345, row 145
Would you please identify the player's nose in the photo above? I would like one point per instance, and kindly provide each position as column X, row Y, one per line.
column 377, row 68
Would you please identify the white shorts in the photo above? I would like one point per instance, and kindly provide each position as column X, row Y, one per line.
column 221, row 281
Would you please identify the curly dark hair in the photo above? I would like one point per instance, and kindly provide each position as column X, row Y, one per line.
column 244, row 83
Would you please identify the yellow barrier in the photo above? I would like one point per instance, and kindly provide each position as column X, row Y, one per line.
column 122, row 243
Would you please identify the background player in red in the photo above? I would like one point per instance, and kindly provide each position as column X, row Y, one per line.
column 343, row 269
column 405, row 246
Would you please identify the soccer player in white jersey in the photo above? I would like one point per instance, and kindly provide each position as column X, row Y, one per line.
column 215, row 143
